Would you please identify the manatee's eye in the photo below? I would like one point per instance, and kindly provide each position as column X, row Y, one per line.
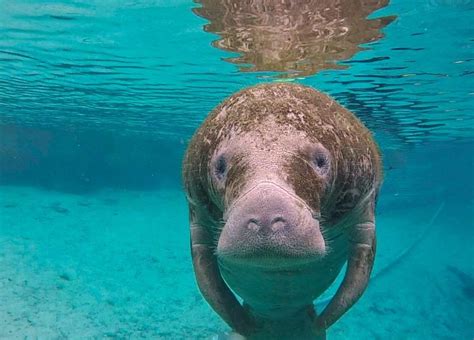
column 321, row 161
column 220, row 168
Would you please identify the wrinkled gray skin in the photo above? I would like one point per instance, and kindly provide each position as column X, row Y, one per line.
column 281, row 183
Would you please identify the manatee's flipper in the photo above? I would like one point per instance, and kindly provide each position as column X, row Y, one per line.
column 359, row 266
column 212, row 286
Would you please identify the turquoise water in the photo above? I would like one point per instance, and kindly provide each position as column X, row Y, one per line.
column 98, row 100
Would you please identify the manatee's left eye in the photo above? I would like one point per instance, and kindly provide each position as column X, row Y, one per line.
column 321, row 161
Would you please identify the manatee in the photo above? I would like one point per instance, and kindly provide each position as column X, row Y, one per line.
column 281, row 183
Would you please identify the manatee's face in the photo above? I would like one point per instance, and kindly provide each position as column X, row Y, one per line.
column 270, row 184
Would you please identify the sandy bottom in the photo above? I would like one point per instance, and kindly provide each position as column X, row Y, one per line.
column 117, row 264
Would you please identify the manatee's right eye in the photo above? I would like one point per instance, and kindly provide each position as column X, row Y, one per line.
column 220, row 168
column 321, row 160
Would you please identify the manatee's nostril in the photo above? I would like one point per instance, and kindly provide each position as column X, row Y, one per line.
column 267, row 226
column 253, row 225
column 278, row 219
column 278, row 223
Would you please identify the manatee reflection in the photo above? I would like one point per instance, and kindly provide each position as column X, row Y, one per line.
column 295, row 37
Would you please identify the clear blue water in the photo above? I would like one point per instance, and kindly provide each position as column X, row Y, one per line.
column 98, row 100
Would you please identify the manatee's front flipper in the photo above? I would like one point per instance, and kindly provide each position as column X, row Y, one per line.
column 211, row 284
column 359, row 266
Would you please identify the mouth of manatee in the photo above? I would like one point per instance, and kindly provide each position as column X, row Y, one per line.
column 267, row 262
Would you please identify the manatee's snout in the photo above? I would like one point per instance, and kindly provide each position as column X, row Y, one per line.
column 267, row 224
column 265, row 212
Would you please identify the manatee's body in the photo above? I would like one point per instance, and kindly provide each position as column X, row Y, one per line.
column 281, row 183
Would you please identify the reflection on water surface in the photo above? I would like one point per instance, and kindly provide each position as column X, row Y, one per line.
column 300, row 38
